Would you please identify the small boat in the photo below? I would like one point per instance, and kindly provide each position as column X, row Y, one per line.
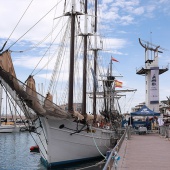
column 6, row 128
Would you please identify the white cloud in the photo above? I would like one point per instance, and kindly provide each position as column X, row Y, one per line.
column 150, row 8
column 121, row 12
column 163, row 1
column 122, row 32
column 114, row 43
column 108, row 1
column 12, row 12
column 31, row 62
column 126, row 20
column 126, row 4
column 138, row 11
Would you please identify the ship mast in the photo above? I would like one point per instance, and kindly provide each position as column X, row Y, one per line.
column 110, row 91
column 95, row 62
column 71, row 72
column 85, row 63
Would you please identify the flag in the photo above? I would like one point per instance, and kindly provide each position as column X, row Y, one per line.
column 113, row 59
column 118, row 83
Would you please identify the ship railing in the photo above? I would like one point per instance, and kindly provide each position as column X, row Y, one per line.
column 113, row 158
column 145, row 67
column 166, row 67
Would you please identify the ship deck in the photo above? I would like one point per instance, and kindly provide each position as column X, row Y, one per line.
column 145, row 152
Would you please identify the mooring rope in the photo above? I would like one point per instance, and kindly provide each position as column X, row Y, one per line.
column 96, row 145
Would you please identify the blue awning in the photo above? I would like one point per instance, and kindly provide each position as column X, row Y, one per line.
column 145, row 111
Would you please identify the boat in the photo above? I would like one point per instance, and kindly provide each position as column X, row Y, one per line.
column 4, row 126
column 8, row 124
column 64, row 133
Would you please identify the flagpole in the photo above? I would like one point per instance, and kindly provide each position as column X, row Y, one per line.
column 111, row 91
column 111, row 66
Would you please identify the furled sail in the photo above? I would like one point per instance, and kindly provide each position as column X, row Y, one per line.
column 40, row 105
column 6, row 63
column 27, row 92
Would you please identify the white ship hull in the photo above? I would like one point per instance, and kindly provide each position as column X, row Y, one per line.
column 65, row 148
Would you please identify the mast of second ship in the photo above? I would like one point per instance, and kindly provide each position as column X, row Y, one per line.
column 95, row 62
column 85, row 35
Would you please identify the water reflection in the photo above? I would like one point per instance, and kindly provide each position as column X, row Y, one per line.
column 15, row 153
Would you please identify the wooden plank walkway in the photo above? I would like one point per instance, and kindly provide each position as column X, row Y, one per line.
column 145, row 152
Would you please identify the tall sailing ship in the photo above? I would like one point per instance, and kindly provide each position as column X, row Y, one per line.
column 65, row 135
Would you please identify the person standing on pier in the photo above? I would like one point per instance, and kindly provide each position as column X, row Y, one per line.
column 147, row 123
column 160, row 123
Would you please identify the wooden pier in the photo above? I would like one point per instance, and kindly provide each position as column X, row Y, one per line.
column 145, row 152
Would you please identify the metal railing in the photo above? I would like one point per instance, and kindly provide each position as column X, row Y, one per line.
column 113, row 157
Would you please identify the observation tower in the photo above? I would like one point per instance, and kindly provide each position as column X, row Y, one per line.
column 151, row 71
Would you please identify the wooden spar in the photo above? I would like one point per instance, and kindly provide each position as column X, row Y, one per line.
column 85, row 65
column 71, row 73
column 104, row 91
column 95, row 63
column 111, row 99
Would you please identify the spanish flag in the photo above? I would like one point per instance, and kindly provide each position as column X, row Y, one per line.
column 118, row 83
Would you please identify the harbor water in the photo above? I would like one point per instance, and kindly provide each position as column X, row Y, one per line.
column 15, row 154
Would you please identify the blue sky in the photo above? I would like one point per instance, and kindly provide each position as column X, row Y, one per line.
column 122, row 23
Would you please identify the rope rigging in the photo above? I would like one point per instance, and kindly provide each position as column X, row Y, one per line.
column 43, row 40
column 78, row 65
column 45, row 54
column 53, row 91
column 52, row 86
column 34, row 25
column 53, row 82
column 60, row 51
column 16, row 26
column 26, row 110
column 51, row 41
column 131, row 99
